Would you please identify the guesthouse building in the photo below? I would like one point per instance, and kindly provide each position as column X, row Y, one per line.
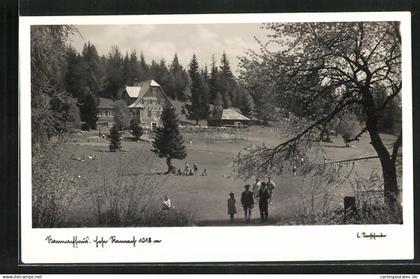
column 145, row 101
column 149, row 103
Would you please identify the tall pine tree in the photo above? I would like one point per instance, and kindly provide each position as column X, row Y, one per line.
column 114, row 73
column 84, row 80
column 179, row 79
column 143, row 69
column 213, row 81
column 226, row 81
column 168, row 142
column 198, row 109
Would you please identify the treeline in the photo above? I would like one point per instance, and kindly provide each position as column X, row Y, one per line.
column 218, row 88
column 66, row 84
column 89, row 76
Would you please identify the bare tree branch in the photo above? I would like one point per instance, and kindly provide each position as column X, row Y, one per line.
column 358, row 135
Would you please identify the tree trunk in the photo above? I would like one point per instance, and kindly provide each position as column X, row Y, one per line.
column 169, row 164
column 388, row 164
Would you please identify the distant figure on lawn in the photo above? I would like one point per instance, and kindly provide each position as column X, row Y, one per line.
column 270, row 187
column 247, row 201
column 204, row 172
column 294, row 170
column 256, row 187
column 186, row 168
column 263, row 197
column 179, row 172
column 167, row 203
column 195, row 167
column 191, row 172
column 231, row 206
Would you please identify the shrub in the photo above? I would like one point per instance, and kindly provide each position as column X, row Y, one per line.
column 54, row 190
column 133, row 201
column 122, row 115
column 348, row 127
column 135, row 129
column 370, row 203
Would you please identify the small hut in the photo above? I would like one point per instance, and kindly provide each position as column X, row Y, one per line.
column 228, row 117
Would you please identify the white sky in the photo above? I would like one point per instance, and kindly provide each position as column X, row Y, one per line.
column 164, row 40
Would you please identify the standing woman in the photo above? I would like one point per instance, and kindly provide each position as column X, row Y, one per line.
column 231, row 206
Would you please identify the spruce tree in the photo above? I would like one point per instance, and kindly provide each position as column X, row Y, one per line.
column 114, row 138
column 84, row 80
column 225, row 67
column 143, row 69
column 179, row 79
column 135, row 129
column 199, row 105
column 126, row 69
column 213, row 81
column 226, row 81
column 168, row 142
column 133, row 69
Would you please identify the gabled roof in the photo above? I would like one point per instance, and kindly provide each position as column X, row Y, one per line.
column 154, row 83
column 105, row 103
column 231, row 114
column 133, row 91
column 143, row 88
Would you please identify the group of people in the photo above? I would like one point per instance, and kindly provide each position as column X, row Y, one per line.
column 188, row 171
column 262, row 191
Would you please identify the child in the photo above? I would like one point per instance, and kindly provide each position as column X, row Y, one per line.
column 195, row 167
column 231, row 206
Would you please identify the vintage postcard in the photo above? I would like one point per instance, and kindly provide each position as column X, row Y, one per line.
column 216, row 138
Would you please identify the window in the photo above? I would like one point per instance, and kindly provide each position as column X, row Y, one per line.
column 149, row 113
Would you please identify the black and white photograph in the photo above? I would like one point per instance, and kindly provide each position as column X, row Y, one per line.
column 266, row 124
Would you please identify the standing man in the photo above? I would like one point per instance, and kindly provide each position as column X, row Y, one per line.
column 256, row 187
column 263, row 196
column 270, row 187
column 247, row 200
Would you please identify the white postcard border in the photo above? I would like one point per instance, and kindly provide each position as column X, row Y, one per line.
column 218, row 244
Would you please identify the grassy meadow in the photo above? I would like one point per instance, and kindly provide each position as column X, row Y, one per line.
column 204, row 197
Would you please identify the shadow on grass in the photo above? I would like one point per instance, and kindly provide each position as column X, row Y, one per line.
column 239, row 222
column 148, row 173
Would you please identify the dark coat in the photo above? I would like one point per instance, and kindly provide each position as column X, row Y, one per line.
column 247, row 199
column 264, row 196
column 231, row 206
